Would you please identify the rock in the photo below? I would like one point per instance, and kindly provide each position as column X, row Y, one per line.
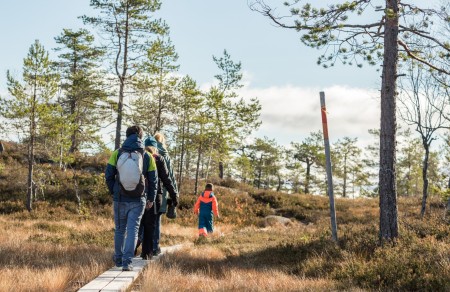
column 273, row 220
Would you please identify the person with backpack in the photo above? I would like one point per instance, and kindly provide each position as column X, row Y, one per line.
column 148, row 221
column 132, row 181
column 206, row 208
column 166, row 204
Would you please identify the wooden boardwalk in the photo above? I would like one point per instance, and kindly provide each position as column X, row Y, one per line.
column 116, row 280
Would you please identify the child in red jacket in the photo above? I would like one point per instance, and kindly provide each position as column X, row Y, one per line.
column 206, row 208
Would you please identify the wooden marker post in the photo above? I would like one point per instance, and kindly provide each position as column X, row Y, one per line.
column 328, row 165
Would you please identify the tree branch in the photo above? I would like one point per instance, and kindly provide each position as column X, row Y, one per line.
column 417, row 58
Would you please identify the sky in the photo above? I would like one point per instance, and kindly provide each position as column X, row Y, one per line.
column 277, row 67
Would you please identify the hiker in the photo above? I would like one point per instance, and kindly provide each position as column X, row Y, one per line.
column 171, row 213
column 206, row 208
column 148, row 221
column 132, row 180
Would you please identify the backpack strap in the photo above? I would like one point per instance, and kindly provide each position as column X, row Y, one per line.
column 139, row 150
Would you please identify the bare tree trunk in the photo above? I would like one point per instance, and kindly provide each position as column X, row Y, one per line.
column 122, row 78
column 260, row 171
column 199, row 155
column 188, row 163
column 448, row 208
column 388, row 126
column 308, row 176
column 119, row 116
column 209, row 162
column 221, row 170
column 279, row 182
column 77, row 190
column 425, row 179
column 73, row 107
column 159, row 115
column 30, row 189
column 344, row 187
column 181, row 161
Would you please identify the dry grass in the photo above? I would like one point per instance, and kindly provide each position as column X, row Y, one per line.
column 54, row 248
column 208, row 275
column 38, row 255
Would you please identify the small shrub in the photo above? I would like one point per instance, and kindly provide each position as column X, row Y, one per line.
column 9, row 207
column 410, row 265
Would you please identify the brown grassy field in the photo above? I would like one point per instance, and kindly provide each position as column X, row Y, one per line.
column 54, row 248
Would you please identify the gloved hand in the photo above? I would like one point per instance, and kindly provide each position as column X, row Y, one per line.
column 175, row 201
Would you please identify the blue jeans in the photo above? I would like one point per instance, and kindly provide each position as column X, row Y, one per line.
column 127, row 216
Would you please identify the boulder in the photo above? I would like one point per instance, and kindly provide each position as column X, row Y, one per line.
column 273, row 220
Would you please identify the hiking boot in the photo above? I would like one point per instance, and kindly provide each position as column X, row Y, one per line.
column 127, row 268
column 157, row 252
column 146, row 257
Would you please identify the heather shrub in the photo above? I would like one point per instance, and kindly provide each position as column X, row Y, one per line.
column 8, row 207
column 410, row 265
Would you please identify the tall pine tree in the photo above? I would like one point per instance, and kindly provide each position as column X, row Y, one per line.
column 128, row 26
column 30, row 104
column 84, row 100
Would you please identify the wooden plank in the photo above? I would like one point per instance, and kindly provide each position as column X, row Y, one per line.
column 97, row 284
column 119, row 284
column 111, row 273
column 115, row 280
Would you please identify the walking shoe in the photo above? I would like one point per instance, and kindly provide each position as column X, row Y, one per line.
column 157, row 252
column 117, row 262
column 127, row 268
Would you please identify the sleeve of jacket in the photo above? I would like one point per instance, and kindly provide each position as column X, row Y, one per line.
column 111, row 171
column 197, row 206
column 164, row 176
column 172, row 176
column 152, row 178
column 215, row 206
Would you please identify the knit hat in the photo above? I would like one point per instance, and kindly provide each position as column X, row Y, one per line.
column 150, row 141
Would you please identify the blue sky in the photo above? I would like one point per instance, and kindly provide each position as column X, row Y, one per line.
column 278, row 68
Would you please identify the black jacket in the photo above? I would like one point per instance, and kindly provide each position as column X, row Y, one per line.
column 164, row 178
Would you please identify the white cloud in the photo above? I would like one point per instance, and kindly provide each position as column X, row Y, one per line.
column 290, row 113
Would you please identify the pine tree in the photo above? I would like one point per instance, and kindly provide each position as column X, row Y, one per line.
column 311, row 153
column 30, row 104
column 233, row 118
column 129, row 26
column 156, row 87
column 84, row 101
column 188, row 104
column 346, row 157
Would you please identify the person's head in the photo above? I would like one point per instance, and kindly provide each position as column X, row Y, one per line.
column 209, row 187
column 151, row 145
column 160, row 138
column 135, row 130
